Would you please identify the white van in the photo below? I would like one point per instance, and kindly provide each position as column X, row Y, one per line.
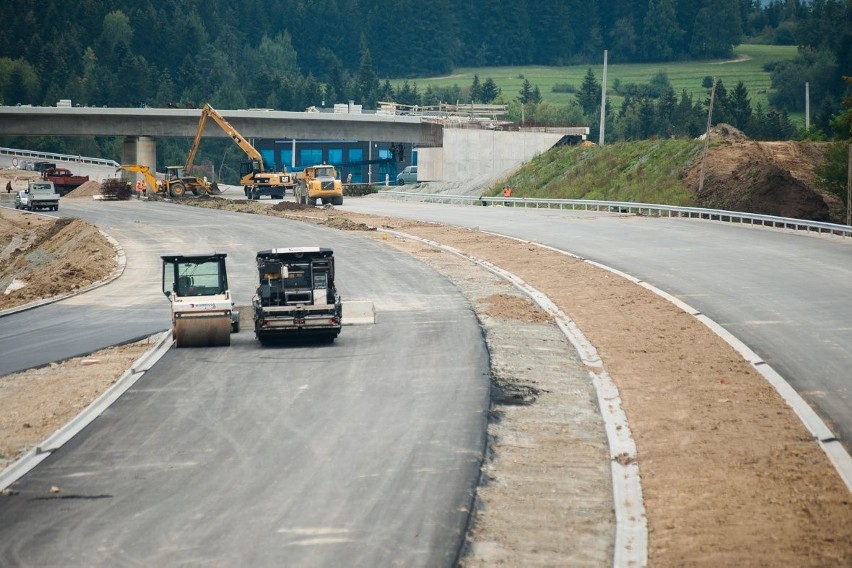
column 408, row 175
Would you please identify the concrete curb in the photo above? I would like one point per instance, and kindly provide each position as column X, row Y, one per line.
column 837, row 454
column 631, row 532
column 121, row 264
column 55, row 441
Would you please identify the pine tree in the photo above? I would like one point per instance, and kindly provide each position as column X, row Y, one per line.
column 489, row 91
column 740, row 106
column 366, row 83
column 526, row 92
column 535, row 97
column 589, row 94
column 660, row 32
column 475, row 90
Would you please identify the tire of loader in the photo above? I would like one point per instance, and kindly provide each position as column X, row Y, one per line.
column 177, row 189
column 202, row 332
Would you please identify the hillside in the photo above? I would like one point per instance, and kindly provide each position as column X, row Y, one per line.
column 773, row 178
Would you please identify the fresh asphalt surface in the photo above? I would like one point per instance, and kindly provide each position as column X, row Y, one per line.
column 364, row 452
column 787, row 296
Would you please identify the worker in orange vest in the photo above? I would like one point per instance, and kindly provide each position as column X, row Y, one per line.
column 507, row 192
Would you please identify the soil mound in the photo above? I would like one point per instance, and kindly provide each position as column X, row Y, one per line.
column 345, row 224
column 763, row 188
column 45, row 259
column 724, row 131
column 87, row 189
column 769, row 178
column 289, row 206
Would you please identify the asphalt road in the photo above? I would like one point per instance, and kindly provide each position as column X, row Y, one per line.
column 787, row 296
column 363, row 452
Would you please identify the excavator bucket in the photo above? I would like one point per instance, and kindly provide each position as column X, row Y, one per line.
column 202, row 332
column 213, row 189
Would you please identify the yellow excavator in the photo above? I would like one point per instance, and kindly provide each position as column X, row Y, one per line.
column 256, row 181
column 175, row 184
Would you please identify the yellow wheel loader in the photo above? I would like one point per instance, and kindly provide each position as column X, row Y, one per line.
column 203, row 313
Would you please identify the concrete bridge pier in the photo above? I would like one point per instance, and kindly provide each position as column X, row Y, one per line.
column 139, row 150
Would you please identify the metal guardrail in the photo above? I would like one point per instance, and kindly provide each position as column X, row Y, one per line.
column 649, row 209
column 54, row 157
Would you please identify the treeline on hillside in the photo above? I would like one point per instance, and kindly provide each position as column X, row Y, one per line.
column 290, row 54
column 654, row 110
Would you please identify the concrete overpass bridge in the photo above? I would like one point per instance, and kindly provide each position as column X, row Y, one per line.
column 450, row 147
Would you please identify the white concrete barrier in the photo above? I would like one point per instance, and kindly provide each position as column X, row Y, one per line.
column 358, row 312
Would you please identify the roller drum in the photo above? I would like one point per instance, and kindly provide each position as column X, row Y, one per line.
column 203, row 332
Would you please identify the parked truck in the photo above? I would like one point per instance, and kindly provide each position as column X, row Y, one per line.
column 319, row 182
column 39, row 194
column 63, row 180
column 296, row 295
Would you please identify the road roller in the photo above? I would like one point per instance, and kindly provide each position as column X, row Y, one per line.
column 203, row 313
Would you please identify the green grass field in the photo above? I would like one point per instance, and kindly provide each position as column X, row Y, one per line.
column 747, row 67
column 645, row 171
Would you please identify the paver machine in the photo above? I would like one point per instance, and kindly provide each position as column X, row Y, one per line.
column 203, row 313
column 296, row 295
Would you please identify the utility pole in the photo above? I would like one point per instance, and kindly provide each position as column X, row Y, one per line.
column 807, row 106
column 849, row 187
column 707, row 136
column 603, row 104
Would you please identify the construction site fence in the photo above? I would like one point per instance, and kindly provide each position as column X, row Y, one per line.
column 646, row 209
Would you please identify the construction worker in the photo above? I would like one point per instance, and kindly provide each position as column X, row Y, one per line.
column 507, row 192
column 139, row 188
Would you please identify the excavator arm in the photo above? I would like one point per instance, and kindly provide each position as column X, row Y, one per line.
column 150, row 179
column 209, row 112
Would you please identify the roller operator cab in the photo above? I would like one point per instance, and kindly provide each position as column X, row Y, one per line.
column 203, row 313
column 296, row 295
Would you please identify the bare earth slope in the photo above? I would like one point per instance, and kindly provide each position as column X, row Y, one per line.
column 770, row 178
column 41, row 257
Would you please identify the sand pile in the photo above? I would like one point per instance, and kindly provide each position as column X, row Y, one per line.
column 87, row 189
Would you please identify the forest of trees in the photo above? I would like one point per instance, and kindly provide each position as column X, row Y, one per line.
column 291, row 54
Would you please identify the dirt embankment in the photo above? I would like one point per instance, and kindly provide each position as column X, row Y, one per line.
column 42, row 257
column 769, row 178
